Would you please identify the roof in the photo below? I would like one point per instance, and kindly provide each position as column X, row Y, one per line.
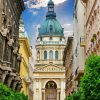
column 51, row 27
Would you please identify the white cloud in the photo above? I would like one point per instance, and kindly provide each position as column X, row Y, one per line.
column 68, row 29
column 35, row 12
column 41, row 3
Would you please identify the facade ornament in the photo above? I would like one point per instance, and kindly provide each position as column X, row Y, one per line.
column 15, row 50
column 3, row 14
column 10, row 42
column 5, row 31
column 19, row 57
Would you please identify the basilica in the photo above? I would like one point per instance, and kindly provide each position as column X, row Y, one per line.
column 49, row 72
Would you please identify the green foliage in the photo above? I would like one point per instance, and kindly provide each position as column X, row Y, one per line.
column 74, row 96
column 90, row 83
column 7, row 94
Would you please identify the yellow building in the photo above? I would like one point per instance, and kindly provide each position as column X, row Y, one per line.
column 24, row 66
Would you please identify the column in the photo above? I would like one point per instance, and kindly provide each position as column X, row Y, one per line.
column 62, row 97
column 4, row 76
column 19, row 87
column 1, row 75
column 1, row 46
column 14, row 85
column 58, row 94
column 10, row 80
column 43, row 94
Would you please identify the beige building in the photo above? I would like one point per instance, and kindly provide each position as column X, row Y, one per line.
column 68, row 63
column 86, row 35
column 92, row 26
column 86, row 40
column 9, row 57
column 31, row 69
column 78, row 48
column 49, row 73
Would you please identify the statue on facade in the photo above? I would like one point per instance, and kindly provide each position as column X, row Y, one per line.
column 19, row 57
column 15, row 50
column 10, row 42
column 5, row 31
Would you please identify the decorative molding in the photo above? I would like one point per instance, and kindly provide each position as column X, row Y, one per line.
column 50, row 68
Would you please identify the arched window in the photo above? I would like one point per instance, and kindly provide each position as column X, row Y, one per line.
column 56, row 55
column 45, row 55
column 51, row 55
column 38, row 55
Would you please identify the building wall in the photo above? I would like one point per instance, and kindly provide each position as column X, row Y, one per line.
column 49, row 70
column 92, row 27
column 78, row 51
column 24, row 66
column 87, row 27
column 44, row 45
column 68, row 64
column 40, row 81
column 31, row 69
column 86, row 40
column 10, row 12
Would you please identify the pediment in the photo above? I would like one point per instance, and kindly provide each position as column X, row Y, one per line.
column 50, row 68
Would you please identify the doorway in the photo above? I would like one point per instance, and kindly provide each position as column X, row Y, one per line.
column 51, row 91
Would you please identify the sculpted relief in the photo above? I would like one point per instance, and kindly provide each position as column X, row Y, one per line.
column 50, row 69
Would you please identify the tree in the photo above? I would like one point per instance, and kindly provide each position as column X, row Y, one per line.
column 74, row 96
column 7, row 94
column 90, row 83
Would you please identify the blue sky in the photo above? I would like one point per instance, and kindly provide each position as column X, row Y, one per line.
column 35, row 13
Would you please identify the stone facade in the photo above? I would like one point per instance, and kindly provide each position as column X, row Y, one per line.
column 78, row 50
column 49, row 72
column 68, row 63
column 86, row 39
column 10, row 11
column 31, row 65
column 92, row 26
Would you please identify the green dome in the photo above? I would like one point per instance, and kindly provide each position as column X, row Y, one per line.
column 51, row 27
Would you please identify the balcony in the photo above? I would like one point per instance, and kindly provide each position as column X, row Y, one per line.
column 78, row 74
column 82, row 41
column 50, row 43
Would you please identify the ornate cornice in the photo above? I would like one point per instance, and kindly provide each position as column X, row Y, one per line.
column 50, row 68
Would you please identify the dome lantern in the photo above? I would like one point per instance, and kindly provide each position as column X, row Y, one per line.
column 51, row 26
column 51, row 13
column 50, row 6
